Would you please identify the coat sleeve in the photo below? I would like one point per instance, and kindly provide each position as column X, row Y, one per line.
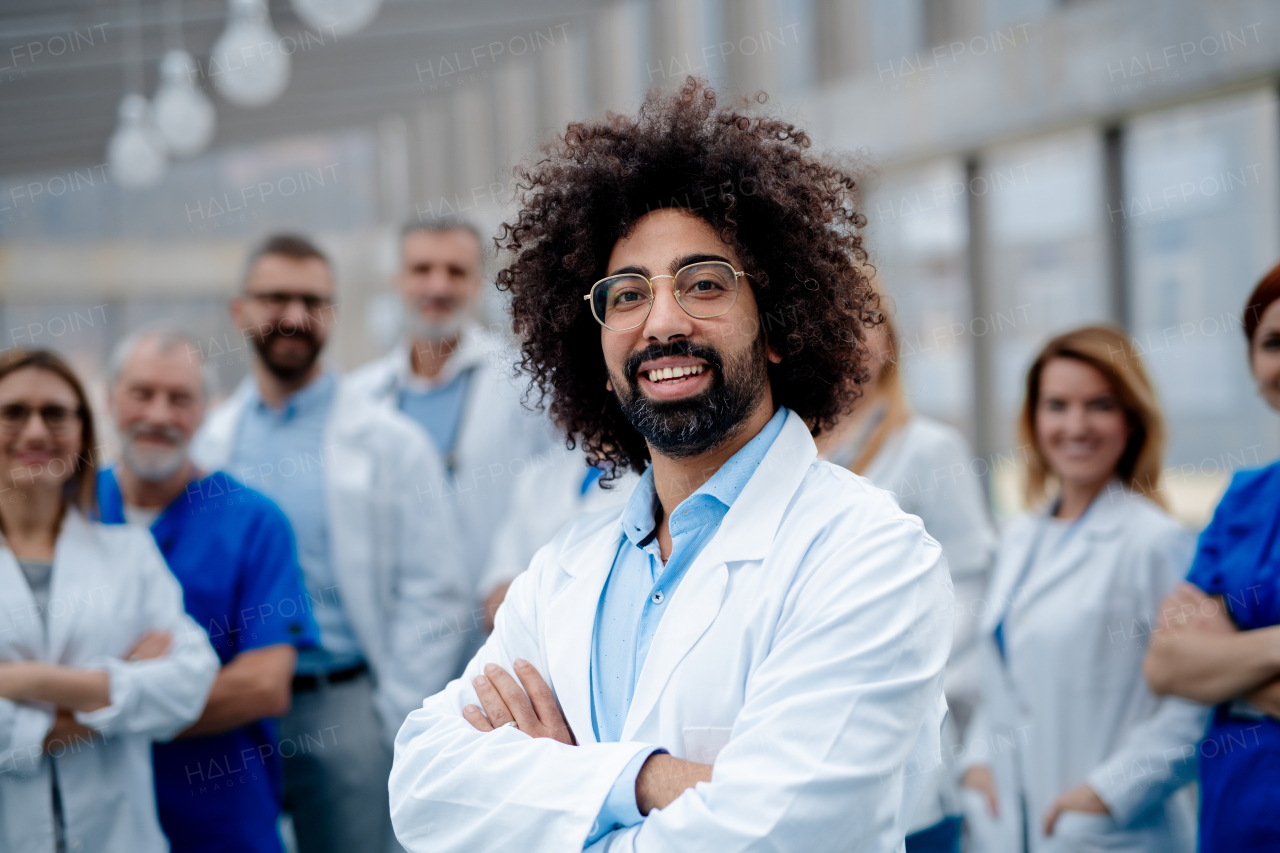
column 1157, row 756
column 457, row 790
column 430, row 621
column 160, row 697
column 22, row 731
column 839, row 734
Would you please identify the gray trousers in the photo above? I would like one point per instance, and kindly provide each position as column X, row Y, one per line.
column 336, row 764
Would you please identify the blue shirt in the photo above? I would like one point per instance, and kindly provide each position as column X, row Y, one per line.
column 281, row 453
column 1239, row 559
column 232, row 551
column 637, row 593
column 439, row 410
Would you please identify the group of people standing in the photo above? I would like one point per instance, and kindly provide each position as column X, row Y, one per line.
column 327, row 539
column 243, row 615
column 1106, row 661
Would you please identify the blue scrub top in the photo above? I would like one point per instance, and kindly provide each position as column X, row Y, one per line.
column 232, row 550
column 1239, row 559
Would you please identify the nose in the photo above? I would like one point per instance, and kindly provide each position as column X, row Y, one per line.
column 295, row 314
column 35, row 431
column 667, row 320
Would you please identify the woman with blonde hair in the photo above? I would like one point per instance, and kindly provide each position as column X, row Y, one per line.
column 934, row 474
column 1069, row 750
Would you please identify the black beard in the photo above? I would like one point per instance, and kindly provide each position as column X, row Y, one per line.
column 691, row 426
column 287, row 371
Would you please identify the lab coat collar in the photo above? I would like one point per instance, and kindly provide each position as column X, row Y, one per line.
column 747, row 533
column 476, row 345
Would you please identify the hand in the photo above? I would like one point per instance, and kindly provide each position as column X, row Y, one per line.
column 1187, row 608
column 492, row 602
column 1081, row 798
column 980, row 779
column 663, row 778
column 1266, row 697
column 153, row 644
column 66, row 732
column 538, row 714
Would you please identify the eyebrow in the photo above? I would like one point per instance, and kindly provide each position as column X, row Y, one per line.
column 676, row 265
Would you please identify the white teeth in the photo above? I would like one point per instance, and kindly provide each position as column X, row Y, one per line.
column 661, row 373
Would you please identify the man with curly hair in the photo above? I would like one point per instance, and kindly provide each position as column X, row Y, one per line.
column 690, row 291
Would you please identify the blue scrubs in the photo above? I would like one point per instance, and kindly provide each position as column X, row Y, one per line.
column 1239, row 559
column 232, row 550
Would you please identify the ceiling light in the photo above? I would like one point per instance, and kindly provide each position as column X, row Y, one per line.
column 183, row 113
column 247, row 64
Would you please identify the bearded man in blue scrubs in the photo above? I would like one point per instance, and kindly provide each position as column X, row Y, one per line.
column 219, row 785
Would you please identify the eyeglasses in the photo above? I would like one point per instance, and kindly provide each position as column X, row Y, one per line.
column 704, row 290
column 59, row 420
column 278, row 301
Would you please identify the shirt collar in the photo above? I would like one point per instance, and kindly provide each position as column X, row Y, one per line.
column 471, row 349
column 723, row 488
column 313, row 397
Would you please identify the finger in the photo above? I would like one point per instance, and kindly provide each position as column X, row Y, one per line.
column 540, row 695
column 472, row 715
column 992, row 803
column 513, row 695
column 1051, row 818
column 494, row 708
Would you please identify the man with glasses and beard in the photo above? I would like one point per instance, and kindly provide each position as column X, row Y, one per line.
column 691, row 293
column 378, row 553
column 218, row 785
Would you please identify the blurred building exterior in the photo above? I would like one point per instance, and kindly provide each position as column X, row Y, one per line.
column 1030, row 166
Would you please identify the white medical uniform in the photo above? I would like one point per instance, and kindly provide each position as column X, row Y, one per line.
column 803, row 656
column 931, row 470
column 1067, row 703
column 498, row 442
column 393, row 545
column 542, row 503
column 109, row 586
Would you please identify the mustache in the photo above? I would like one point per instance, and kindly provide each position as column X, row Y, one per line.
column 171, row 434
column 631, row 369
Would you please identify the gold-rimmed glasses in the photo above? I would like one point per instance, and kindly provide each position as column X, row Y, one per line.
column 704, row 290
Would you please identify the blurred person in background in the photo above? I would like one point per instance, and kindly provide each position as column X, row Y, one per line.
column 378, row 553
column 544, row 500
column 1069, row 750
column 1221, row 639
column 97, row 656
column 455, row 378
column 929, row 468
column 219, row 785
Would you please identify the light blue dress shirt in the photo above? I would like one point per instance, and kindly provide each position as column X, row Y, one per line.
column 439, row 410
column 636, row 594
column 280, row 452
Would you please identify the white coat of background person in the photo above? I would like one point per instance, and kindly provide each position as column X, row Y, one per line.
column 929, row 467
column 395, row 551
column 774, row 623
column 542, row 503
column 456, row 379
column 98, row 658
column 1069, row 749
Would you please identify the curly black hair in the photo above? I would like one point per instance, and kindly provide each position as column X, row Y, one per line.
column 788, row 214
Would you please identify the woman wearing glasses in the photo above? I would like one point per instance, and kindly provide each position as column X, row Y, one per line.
column 1069, row 751
column 97, row 656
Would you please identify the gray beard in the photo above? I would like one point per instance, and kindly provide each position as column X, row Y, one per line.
column 435, row 333
column 150, row 466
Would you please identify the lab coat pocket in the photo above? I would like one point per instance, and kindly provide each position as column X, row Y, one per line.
column 1081, row 832
column 986, row 834
column 704, row 744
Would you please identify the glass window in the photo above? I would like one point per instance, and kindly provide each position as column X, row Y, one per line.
column 1047, row 254
column 1199, row 216
column 918, row 234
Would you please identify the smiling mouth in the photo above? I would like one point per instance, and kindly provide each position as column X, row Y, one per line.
column 669, row 374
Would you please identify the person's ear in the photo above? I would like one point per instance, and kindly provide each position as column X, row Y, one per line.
column 772, row 354
column 608, row 384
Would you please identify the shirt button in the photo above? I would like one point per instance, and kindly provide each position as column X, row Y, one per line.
column 656, row 598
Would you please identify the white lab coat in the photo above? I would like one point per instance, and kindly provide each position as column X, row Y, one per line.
column 803, row 655
column 499, row 442
column 393, row 545
column 1071, row 705
column 543, row 502
column 109, row 586
column 931, row 470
